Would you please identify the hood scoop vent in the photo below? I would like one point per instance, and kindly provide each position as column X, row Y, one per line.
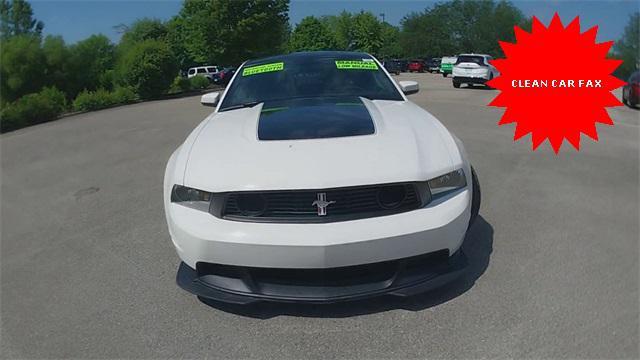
column 314, row 118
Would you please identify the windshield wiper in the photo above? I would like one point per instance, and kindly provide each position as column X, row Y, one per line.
column 240, row 106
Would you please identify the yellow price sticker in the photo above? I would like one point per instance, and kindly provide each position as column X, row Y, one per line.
column 259, row 69
column 356, row 65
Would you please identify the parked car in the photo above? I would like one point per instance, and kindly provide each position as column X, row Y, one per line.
column 446, row 65
column 206, row 71
column 404, row 65
column 631, row 91
column 473, row 69
column 224, row 76
column 416, row 66
column 393, row 66
column 273, row 198
column 433, row 65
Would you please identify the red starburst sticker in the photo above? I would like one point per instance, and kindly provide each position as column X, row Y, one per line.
column 555, row 83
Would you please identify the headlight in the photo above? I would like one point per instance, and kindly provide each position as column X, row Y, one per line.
column 189, row 197
column 447, row 183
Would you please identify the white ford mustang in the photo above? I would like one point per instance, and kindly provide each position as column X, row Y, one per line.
column 316, row 180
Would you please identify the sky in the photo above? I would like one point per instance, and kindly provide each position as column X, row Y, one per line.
column 76, row 20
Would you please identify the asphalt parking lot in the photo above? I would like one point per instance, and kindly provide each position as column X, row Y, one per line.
column 88, row 269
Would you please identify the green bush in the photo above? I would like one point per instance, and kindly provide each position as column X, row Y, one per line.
column 199, row 82
column 101, row 98
column 124, row 95
column 180, row 84
column 31, row 109
column 93, row 100
column 148, row 68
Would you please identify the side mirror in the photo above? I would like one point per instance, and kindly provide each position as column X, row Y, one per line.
column 210, row 99
column 409, row 87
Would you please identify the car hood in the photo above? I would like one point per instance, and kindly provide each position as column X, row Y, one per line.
column 405, row 143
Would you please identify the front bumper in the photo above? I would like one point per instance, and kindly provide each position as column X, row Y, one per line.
column 245, row 285
column 469, row 80
column 200, row 237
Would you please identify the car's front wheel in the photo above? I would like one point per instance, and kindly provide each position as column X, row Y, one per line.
column 627, row 100
column 456, row 84
column 444, row 74
column 490, row 78
column 476, row 197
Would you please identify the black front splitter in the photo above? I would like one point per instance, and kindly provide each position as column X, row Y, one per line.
column 403, row 283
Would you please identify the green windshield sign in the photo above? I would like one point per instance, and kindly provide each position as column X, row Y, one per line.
column 259, row 69
column 356, row 65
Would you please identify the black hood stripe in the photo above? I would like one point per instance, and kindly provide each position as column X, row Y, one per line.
column 297, row 119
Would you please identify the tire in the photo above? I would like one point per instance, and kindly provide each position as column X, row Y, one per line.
column 456, row 84
column 444, row 74
column 490, row 78
column 476, row 197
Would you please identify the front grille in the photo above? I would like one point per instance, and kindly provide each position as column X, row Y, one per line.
column 347, row 203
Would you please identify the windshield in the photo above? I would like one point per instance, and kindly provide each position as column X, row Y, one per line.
column 309, row 76
column 470, row 59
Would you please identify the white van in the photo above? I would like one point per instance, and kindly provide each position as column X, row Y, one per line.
column 206, row 71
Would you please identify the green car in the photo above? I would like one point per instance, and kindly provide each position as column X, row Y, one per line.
column 446, row 65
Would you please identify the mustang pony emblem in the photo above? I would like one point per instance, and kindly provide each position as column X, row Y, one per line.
column 322, row 204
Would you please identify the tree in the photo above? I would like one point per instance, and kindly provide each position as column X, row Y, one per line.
column 56, row 59
column 16, row 18
column 143, row 29
column 426, row 34
column 310, row 35
column 22, row 67
column 175, row 40
column 390, row 42
column 341, row 28
column 356, row 32
column 148, row 67
column 367, row 33
column 460, row 26
column 229, row 32
column 627, row 48
column 89, row 64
